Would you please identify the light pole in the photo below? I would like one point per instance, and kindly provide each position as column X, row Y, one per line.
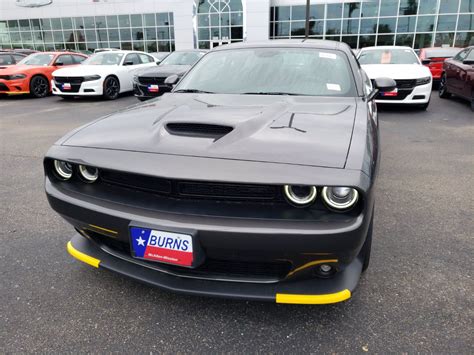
column 306, row 31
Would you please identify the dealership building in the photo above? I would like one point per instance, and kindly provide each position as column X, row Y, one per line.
column 165, row 25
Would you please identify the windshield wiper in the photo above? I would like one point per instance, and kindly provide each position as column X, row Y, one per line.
column 196, row 91
column 272, row 93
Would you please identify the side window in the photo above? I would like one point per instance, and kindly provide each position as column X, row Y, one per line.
column 131, row 58
column 146, row 58
column 6, row 59
column 17, row 57
column 66, row 59
column 470, row 56
column 461, row 55
column 78, row 58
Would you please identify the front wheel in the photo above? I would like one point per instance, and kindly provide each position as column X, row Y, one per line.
column 443, row 87
column 39, row 87
column 111, row 88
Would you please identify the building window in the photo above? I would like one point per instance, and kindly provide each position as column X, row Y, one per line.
column 221, row 22
column 89, row 33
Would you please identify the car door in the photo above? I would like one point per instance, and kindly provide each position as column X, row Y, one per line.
column 466, row 76
column 130, row 64
column 453, row 72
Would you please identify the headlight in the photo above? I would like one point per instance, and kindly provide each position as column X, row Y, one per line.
column 423, row 81
column 300, row 195
column 63, row 169
column 91, row 77
column 340, row 198
column 89, row 173
column 16, row 76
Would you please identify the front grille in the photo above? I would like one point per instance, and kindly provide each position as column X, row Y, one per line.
column 145, row 80
column 192, row 189
column 211, row 268
column 406, row 83
column 3, row 87
column 69, row 79
column 198, row 130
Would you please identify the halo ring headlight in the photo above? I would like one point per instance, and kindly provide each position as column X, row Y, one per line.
column 300, row 198
column 63, row 169
column 89, row 173
column 340, row 198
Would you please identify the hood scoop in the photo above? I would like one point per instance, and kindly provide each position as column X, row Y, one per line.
column 200, row 130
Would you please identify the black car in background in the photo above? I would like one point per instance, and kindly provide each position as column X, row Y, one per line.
column 151, row 82
column 10, row 58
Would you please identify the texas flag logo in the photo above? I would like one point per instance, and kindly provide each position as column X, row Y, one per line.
column 153, row 88
column 66, row 86
column 166, row 247
column 391, row 93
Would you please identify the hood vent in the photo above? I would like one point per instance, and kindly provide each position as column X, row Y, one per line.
column 202, row 130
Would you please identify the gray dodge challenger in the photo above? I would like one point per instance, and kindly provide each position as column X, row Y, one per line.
column 253, row 179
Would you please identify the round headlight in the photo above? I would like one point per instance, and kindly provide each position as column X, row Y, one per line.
column 89, row 173
column 63, row 169
column 300, row 195
column 340, row 198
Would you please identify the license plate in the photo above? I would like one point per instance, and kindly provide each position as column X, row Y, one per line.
column 165, row 247
column 66, row 86
column 391, row 93
column 153, row 88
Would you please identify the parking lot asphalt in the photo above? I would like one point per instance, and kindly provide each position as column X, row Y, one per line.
column 417, row 296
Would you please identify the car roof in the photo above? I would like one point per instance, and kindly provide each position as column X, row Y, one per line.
column 289, row 43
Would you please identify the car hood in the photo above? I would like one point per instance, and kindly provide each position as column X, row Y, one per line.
column 280, row 129
column 84, row 69
column 164, row 71
column 396, row 71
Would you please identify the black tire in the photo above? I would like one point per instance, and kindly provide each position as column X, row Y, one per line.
column 367, row 247
column 39, row 86
column 443, row 88
column 67, row 98
column 472, row 105
column 111, row 88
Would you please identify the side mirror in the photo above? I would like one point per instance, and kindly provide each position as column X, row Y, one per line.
column 128, row 63
column 426, row 61
column 382, row 84
column 158, row 62
column 58, row 64
column 172, row 79
column 468, row 62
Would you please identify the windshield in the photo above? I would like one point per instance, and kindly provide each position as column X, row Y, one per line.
column 441, row 52
column 37, row 59
column 388, row 56
column 104, row 58
column 182, row 58
column 279, row 71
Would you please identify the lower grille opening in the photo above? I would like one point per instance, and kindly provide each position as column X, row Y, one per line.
column 211, row 269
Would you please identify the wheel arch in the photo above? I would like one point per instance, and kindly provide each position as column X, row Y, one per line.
column 116, row 77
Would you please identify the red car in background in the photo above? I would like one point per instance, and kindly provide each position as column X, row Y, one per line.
column 434, row 58
column 33, row 74
column 458, row 76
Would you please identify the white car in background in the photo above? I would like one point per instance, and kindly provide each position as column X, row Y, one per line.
column 105, row 74
column 414, row 80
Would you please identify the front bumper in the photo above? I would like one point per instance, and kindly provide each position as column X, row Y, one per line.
column 419, row 95
column 86, row 88
column 322, row 291
column 14, row 87
column 305, row 244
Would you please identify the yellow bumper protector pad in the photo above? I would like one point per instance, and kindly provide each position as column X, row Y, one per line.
column 313, row 299
column 82, row 257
